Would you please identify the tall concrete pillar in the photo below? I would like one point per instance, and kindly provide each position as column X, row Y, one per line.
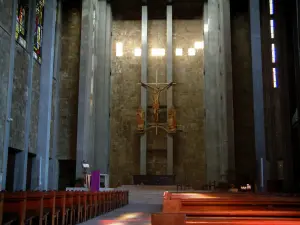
column 102, row 88
column 258, row 95
column 20, row 170
column 170, row 79
column 227, row 127
column 219, row 143
column 85, row 81
column 53, row 163
column 41, row 164
column 144, row 79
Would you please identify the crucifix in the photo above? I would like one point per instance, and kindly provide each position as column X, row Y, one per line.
column 156, row 88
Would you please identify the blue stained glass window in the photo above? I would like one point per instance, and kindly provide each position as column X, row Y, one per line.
column 38, row 32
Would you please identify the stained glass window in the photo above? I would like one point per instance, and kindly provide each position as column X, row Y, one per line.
column 22, row 20
column 38, row 32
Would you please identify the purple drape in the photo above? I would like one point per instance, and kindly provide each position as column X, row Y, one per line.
column 95, row 180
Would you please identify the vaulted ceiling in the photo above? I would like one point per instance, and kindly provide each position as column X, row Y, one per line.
column 131, row 9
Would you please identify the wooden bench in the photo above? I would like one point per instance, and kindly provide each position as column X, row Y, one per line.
column 220, row 208
column 14, row 208
column 223, row 204
column 182, row 219
column 69, row 207
column 60, row 207
column 65, row 208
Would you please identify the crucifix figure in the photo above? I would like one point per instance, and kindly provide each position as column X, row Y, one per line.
column 156, row 90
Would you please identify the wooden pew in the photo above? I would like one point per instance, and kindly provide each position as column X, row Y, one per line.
column 50, row 209
column 1, row 207
column 60, row 206
column 90, row 206
column 35, row 207
column 63, row 208
column 77, row 207
column 69, row 208
column 14, row 208
column 222, row 204
column 182, row 219
column 84, row 209
column 100, row 198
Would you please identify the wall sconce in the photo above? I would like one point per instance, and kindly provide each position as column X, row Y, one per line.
column 119, row 49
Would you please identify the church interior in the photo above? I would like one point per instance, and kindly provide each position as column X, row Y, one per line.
column 160, row 94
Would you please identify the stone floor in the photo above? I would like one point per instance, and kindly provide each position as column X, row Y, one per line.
column 143, row 201
column 132, row 214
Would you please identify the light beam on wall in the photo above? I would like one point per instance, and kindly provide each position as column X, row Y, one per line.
column 191, row 51
column 199, row 45
column 158, row 52
column 179, row 52
column 206, row 27
column 119, row 49
column 137, row 52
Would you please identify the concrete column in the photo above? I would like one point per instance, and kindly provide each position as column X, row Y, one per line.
column 258, row 96
column 219, row 135
column 211, row 73
column 108, row 79
column 102, row 88
column 9, row 96
column 144, row 79
column 86, row 71
column 53, row 163
column 170, row 79
column 40, row 181
column 20, row 171
column 227, row 127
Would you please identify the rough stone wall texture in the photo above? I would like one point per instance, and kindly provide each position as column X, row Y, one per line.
column 35, row 99
column 6, row 15
column 5, row 27
column 125, row 98
column 69, row 75
column 242, row 95
column 189, row 161
column 189, row 154
column 20, row 90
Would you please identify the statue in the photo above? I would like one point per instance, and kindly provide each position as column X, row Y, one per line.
column 155, row 105
column 172, row 126
column 140, row 118
column 155, row 98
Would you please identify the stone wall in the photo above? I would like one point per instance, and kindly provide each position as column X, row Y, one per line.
column 125, row 98
column 35, row 98
column 69, row 79
column 242, row 93
column 189, row 161
column 189, row 154
column 5, row 30
column 20, row 90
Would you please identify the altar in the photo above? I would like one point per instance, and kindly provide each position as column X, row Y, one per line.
column 163, row 180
